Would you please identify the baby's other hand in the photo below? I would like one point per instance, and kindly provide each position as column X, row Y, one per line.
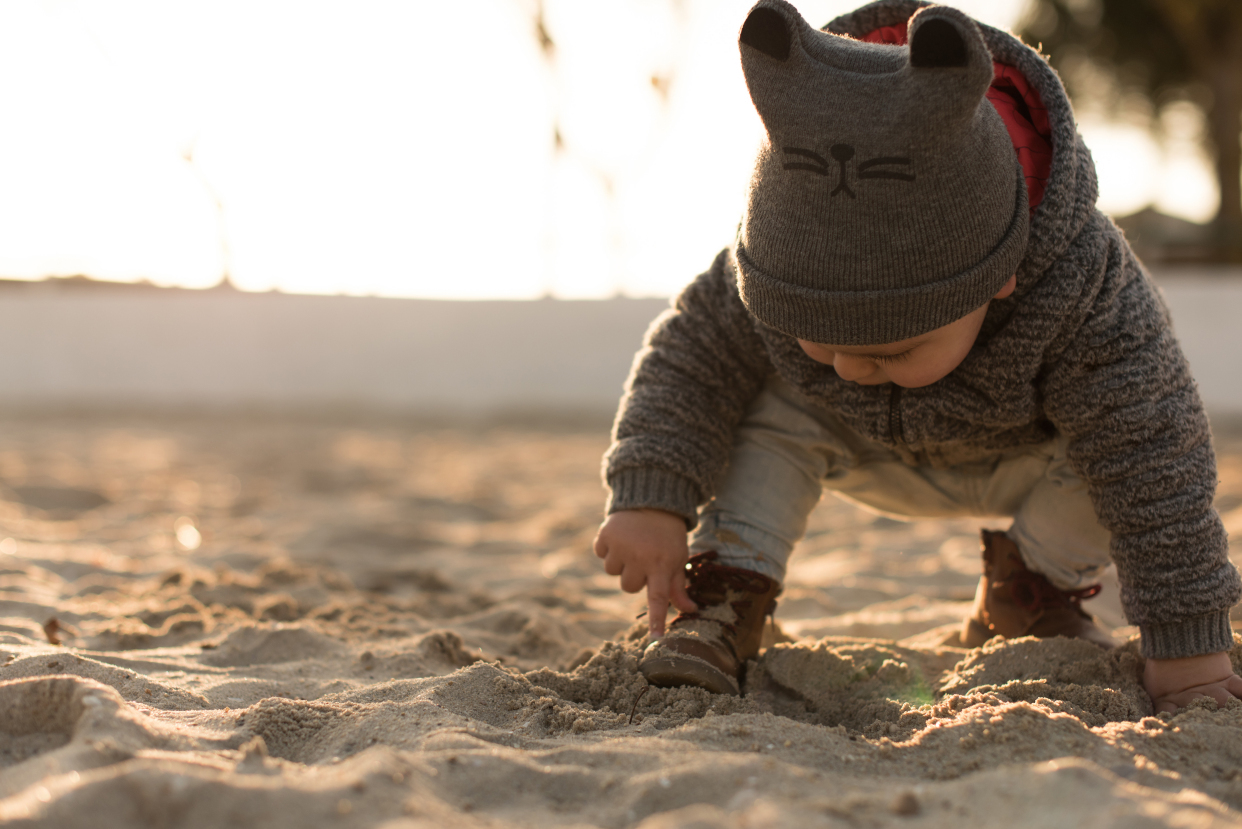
column 1173, row 683
column 647, row 547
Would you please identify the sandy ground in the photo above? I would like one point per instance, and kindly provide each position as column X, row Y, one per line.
column 303, row 624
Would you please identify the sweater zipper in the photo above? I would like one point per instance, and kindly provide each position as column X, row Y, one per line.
column 895, row 430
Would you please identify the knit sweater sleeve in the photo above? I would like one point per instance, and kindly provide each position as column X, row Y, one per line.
column 701, row 365
column 1122, row 392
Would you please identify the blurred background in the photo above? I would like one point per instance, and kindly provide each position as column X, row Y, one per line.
column 483, row 150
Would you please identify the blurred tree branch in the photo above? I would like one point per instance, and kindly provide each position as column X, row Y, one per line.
column 1165, row 51
column 660, row 79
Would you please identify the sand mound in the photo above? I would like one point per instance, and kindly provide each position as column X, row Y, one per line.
column 406, row 628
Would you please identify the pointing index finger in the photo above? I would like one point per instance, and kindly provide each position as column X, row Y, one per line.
column 657, row 609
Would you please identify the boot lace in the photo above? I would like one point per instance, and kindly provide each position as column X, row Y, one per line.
column 1033, row 592
column 702, row 569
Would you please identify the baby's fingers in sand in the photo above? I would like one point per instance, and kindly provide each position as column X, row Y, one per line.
column 1171, row 703
column 1222, row 692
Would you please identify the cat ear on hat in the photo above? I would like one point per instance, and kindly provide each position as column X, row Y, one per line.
column 947, row 47
column 776, row 29
column 765, row 29
column 774, row 59
column 787, row 63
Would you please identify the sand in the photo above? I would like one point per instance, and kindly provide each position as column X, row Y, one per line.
column 315, row 624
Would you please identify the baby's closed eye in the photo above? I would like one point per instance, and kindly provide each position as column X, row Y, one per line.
column 886, row 359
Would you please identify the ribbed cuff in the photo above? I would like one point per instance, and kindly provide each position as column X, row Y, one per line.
column 648, row 488
column 1195, row 636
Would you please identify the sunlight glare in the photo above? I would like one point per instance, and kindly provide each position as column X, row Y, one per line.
column 188, row 536
column 374, row 148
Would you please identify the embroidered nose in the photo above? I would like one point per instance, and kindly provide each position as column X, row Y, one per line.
column 842, row 153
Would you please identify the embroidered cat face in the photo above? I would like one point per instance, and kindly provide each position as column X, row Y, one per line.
column 888, row 167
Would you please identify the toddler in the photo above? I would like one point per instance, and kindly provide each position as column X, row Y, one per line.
column 923, row 311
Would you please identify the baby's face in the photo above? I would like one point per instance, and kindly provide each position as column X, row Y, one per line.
column 918, row 361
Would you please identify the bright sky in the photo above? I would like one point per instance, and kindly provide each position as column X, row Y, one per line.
column 405, row 147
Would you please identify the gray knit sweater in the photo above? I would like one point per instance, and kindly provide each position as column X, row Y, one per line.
column 1083, row 348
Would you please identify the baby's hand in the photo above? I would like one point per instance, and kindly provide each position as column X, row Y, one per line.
column 1173, row 683
column 648, row 547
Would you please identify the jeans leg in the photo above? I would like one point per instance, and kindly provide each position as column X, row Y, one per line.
column 1056, row 528
column 1054, row 521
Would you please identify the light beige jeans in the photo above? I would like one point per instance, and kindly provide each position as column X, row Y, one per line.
column 787, row 451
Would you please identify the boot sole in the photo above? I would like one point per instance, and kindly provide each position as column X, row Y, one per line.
column 676, row 671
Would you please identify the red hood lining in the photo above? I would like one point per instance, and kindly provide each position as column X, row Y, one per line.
column 1018, row 105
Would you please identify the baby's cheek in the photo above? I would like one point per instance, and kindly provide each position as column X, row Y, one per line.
column 817, row 352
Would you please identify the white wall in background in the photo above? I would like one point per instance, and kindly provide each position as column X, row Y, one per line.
column 220, row 349
column 1207, row 318
column 230, row 349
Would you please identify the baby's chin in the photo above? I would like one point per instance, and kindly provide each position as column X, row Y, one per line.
column 920, row 382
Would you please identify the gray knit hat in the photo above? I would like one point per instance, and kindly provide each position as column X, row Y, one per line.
column 887, row 200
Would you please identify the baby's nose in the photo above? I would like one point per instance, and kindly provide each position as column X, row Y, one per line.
column 849, row 367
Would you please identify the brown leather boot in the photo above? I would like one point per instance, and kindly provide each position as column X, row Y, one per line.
column 1013, row 601
column 708, row 647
